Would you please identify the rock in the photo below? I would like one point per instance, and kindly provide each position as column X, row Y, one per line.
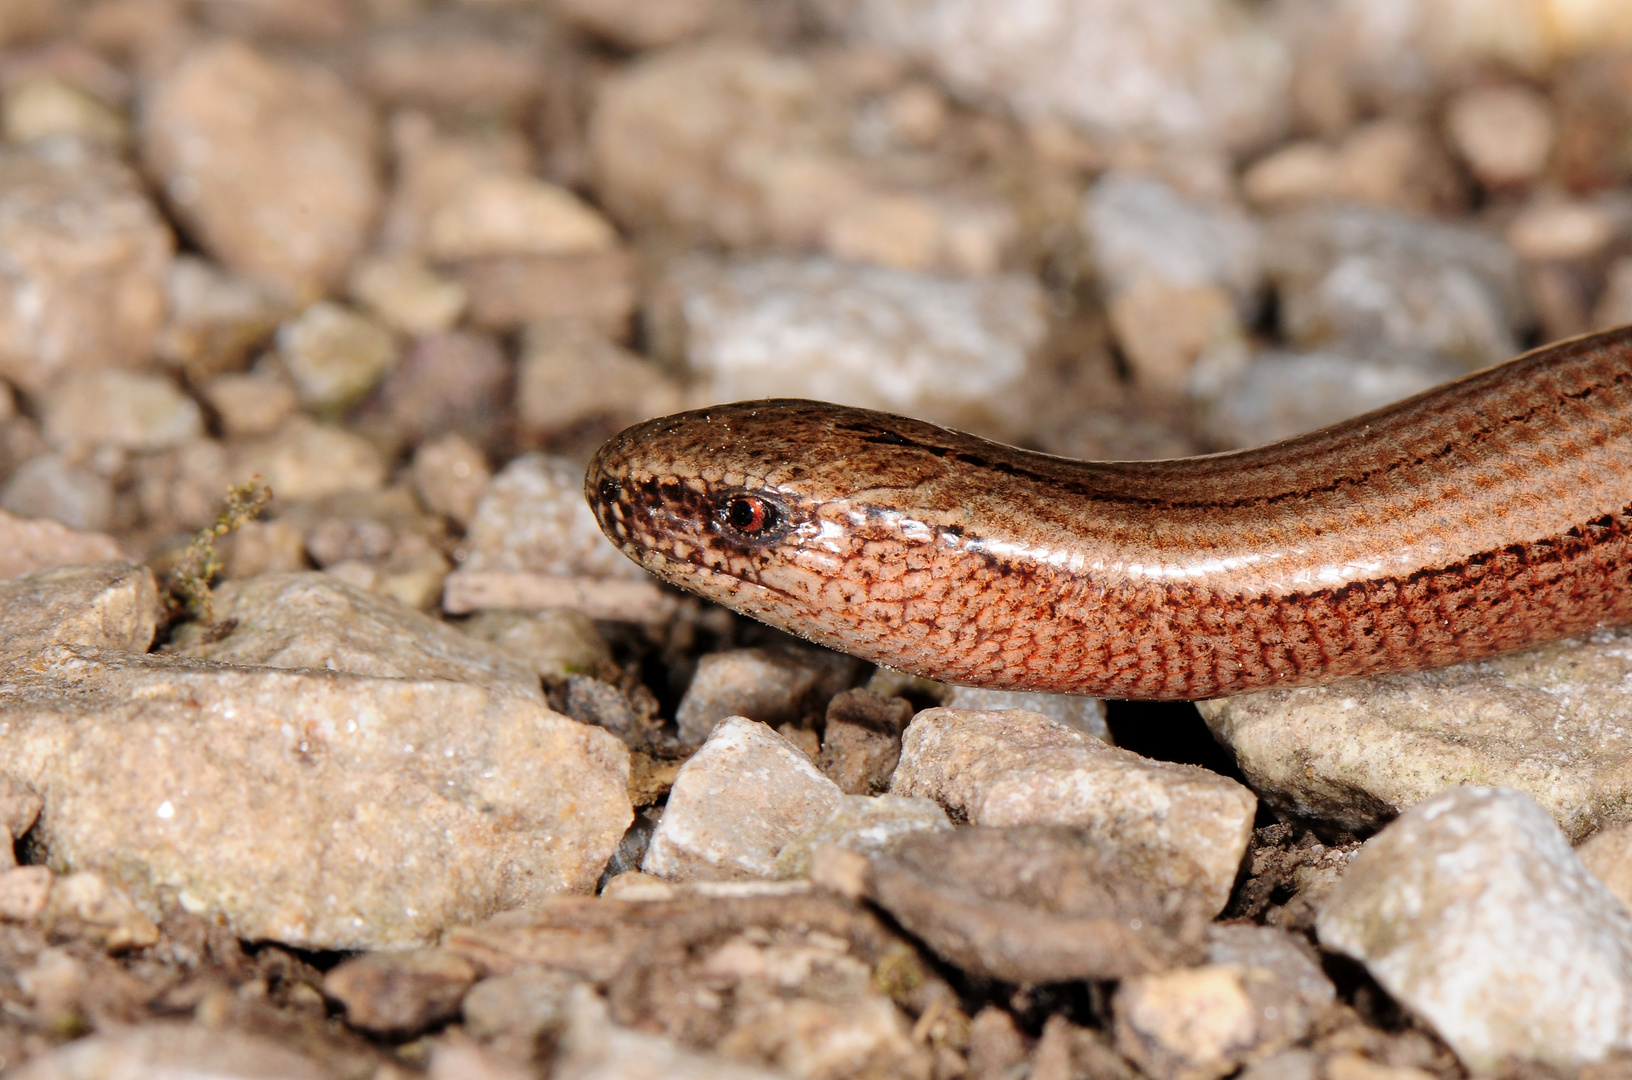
column 109, row 605
column 571, row 372
column 1472, row 911
column 182, row 488
column 1038, row 903
column 1504, row 133
column 533, row 518
column 227, row 128
column 591, row 701
column 997, row 1046
column 455, row 1058
column 743, row 797
column 1179, row 72
column 1615, row 305
column 773, row 686
column 449, row 476
column 1560, row 230
column 46, row 107
column 509, row 292
column 456, row 61
column 49, row 487
column 594, row 1048
column 86, row 258
column 861, row 741
column 1276, row 395
column 641, row 24
column 313, row 622
column 306, row 460
column 1164, row 330
column 333, row 355
column 1360, row 751
column 863, row 824
column 1396, row 163
column 1381, row 282
column 167, row 1049
column 504, row 214
column 1607, row 853
column 1299, row 172
column 400, row 993
column 1014, row 767
column 1085, row 714
column 430, row 167
column 24, row 892
column 1289, row 957
column 323, row 809
column 942, row 348
column 516, row 1009
column 215, row 319
column 249, row 404
column 27, row 545
column 83, row 905
column 407, row 295
column 455, row 381
column 119, row 409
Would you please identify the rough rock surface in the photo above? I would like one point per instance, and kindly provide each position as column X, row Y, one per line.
column 1546, row 721
column 111, row 605
column 744, row 796
column 322, row 809
column 1016, row 768
column 865, row 824
column 1472, row 911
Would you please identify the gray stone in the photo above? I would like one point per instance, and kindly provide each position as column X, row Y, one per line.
column 1471, row 910
column 556, row 642
column 322, row 809
column 1547, row 721
column 333, row 355
column 112, row 605
column 29, row 544
column 773, row 686
column 50, row 486
column 861, row 740
column 312, row 621
column 159, row 1051
column 1085, row 714
column 745, row 795
column 1015, row 768
column 865, row 824
column 533, row 518
column 119, row 409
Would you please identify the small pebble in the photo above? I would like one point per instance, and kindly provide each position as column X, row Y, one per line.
column 333, row 355
column 1504, row 133
column 108, row 605
column 400, row 993
column 532, row 517
column 250, row 404
column 119, row 409
column 49, row 486
column 773, row 686
column 449, row 477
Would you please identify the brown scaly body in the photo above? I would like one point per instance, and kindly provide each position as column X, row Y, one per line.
column 1488, row 514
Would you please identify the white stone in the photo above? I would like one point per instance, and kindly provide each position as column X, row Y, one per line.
column 533, row 518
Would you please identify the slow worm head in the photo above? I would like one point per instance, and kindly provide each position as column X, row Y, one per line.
column 1488, row 514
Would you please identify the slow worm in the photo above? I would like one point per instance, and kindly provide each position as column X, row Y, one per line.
column 1490, row 513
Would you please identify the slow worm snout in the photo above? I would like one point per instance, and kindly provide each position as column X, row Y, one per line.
column 1488, row 514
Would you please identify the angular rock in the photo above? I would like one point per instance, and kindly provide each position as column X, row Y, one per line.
column 86, row 257
column 314, row 622
column 227, row 129
column 451, row 382
column 773, row 686
column 744, row 796
column 861, row 741
column 863, row 824
column 502, row 214
column 1013, row 767
column 947, row 349
column 516, row 1008
column 119, row 409
column 160, row 1049
column 400, row 993
column 1038, row 903
column 323, row 809
column 333, row 355
column 1471, row 910
column 1358, row 752
column 83, row 905
column 28, row 544
column 533, row 518
column 591, row 701
column 50, row 486
column 110, row 605
column 182, row 488
column 250, row 404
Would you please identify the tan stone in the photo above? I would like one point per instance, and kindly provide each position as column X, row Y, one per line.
column 773, row 686
column 503, row 214
column 1504, row 133
column 29, row 544
column 120, row 409
column 533, row 518
column 570, row 371
column 407, row 295
column 1556, row 230
column 168, row 1049
column 250, row 404
column 449, row 476
column 42, row 107
column 307, row 460
column 508, row 292
column 1163, row 329
column 1608, row 854
column 334, row 355
column 641, row 24
column 110, row 605
column 400, row 993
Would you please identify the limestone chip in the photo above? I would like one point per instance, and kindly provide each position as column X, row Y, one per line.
column 1544, row 721
column 1014, row 767
column 321, row 809
column 1471, row 910
column 110, row 605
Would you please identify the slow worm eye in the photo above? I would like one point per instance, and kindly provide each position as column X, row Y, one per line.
column 749, row 515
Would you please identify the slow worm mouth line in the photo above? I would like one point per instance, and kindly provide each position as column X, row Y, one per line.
column 1487, row 514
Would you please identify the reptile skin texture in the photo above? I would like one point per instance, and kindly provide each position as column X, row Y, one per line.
column 1487, row 514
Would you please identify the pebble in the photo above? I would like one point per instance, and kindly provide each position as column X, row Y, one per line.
column 120, row 409
column 504, row 214
column 28, row 544
column 1085, row 714
column 773, row 686
column 167, row 1049
column 943, row 348
column 407, row 295
column 1016, row 768
column 1560, row 230
column 1471, row 911
column 1545, row 721
column 456, row 61
column 1388, row 162
column 1615, row 304
column 46, row 107
column 333, row 355
column 533, row 518
column 326, row 810
column 449, row 476
column 861, row 740
column 1607, row 853
column 1037, row 903
column 641, row 24
column 594, row 1048
column 311, row 621
column 457, row 381
column 1167, row 72
column 555, row 643
column 571, row 372
column 1504, row 133
column 227, row 128
column 1278, row 394
column 109, row 605
column 514, row 1010
column 400, row 993
column 306, row 460
column 1379, row 281
column 249, row 404
column 509, row 292
column 740, row 799
column 863, row 824
column 49, row 486
column 87, row 253
column 215, row 318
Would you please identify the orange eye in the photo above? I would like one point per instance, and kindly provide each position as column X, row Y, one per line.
column 749, row 515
